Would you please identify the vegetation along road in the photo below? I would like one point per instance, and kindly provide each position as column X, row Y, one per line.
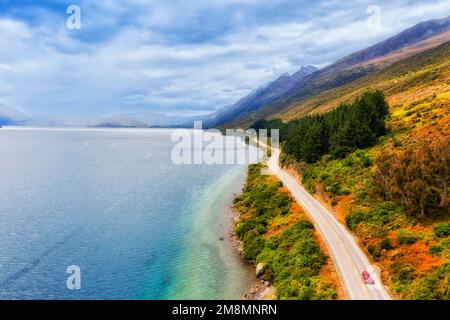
column 349, row 258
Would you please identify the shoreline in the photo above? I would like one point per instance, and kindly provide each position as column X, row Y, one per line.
column 260, row 289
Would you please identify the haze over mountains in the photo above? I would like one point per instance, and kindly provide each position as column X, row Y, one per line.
column 273, row 98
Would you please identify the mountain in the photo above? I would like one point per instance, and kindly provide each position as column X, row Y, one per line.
column 417, row 83
column 143, row 120
column 258, row 98
column 412, row 41
column 10, row 116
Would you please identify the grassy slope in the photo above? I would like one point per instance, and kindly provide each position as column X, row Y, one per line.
column 413, row 258
column 276, row 232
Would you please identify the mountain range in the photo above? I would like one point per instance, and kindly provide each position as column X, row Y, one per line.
column 259, row 98
column 419, row 38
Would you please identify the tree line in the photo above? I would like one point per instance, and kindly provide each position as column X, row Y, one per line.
column 338, row 132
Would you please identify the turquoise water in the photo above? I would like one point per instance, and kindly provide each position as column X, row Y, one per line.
column 111, row 202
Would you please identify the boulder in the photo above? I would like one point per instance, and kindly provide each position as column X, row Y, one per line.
column 260, row 270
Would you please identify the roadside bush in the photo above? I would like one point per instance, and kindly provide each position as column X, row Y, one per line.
column 292, row 258
column 436, row 249
column 406, row 237
column 374, row 251
column 442, row 229
column 386, row 244
column 354, row 218
column 293, row 261
column 381, row 216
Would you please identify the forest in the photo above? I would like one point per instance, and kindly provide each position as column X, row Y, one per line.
column 338, row 132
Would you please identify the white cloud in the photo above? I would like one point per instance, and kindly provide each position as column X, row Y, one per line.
column 49, row 70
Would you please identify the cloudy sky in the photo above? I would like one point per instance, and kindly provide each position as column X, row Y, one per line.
column 176, row 56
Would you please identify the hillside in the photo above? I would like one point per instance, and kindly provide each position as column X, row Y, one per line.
column 393, row 192
column 365, row 63
column 412, row 81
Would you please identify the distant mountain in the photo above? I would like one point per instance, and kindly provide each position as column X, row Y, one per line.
column 258, row 98
column 419, row 38
column 143, row 120
column 10, row 116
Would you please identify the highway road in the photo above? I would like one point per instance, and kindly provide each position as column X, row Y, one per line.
column 349, row 259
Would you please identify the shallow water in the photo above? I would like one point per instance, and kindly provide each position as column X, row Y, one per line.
column 112, row 202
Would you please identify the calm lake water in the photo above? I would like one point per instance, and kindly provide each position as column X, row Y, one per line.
column 112, row 202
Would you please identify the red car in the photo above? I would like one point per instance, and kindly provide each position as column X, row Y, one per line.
column 367, row 278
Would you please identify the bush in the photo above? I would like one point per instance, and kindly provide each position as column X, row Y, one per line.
column 386, row 244
column 381, row 216
column 252, row 246
column 244, row 227
column 433, row 287
column 374, row 251
column 292, row 258
column 442, row 229
column 406, row 237
column 354, row 218
column 436, row 249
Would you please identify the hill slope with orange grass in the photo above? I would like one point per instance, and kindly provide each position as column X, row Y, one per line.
column 394, row 195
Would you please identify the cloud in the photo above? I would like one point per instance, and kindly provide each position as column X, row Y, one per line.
column 176, row 57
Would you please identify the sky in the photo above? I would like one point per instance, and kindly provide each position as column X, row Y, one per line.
column 178, row 57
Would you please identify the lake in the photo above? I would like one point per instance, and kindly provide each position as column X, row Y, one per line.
column 112, row 202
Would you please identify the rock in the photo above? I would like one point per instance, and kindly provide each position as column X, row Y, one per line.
column 267, row 283
column 260, row 270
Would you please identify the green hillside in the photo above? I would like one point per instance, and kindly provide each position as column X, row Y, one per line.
column 390, row 187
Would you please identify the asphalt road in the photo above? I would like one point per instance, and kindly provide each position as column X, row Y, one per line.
column 349, row 258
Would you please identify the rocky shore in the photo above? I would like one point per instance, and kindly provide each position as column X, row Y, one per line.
column 261, row 289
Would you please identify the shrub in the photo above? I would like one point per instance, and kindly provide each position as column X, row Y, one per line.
column 252, row 246
column 433, row 287
column 386, row 244
column 406, row 237
column 292, row 258
column 436, row 249
column 374, row 251
column 293, row 261
column 354, row 218
column 384, row 214
column 244, row 227
column 442, row 229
